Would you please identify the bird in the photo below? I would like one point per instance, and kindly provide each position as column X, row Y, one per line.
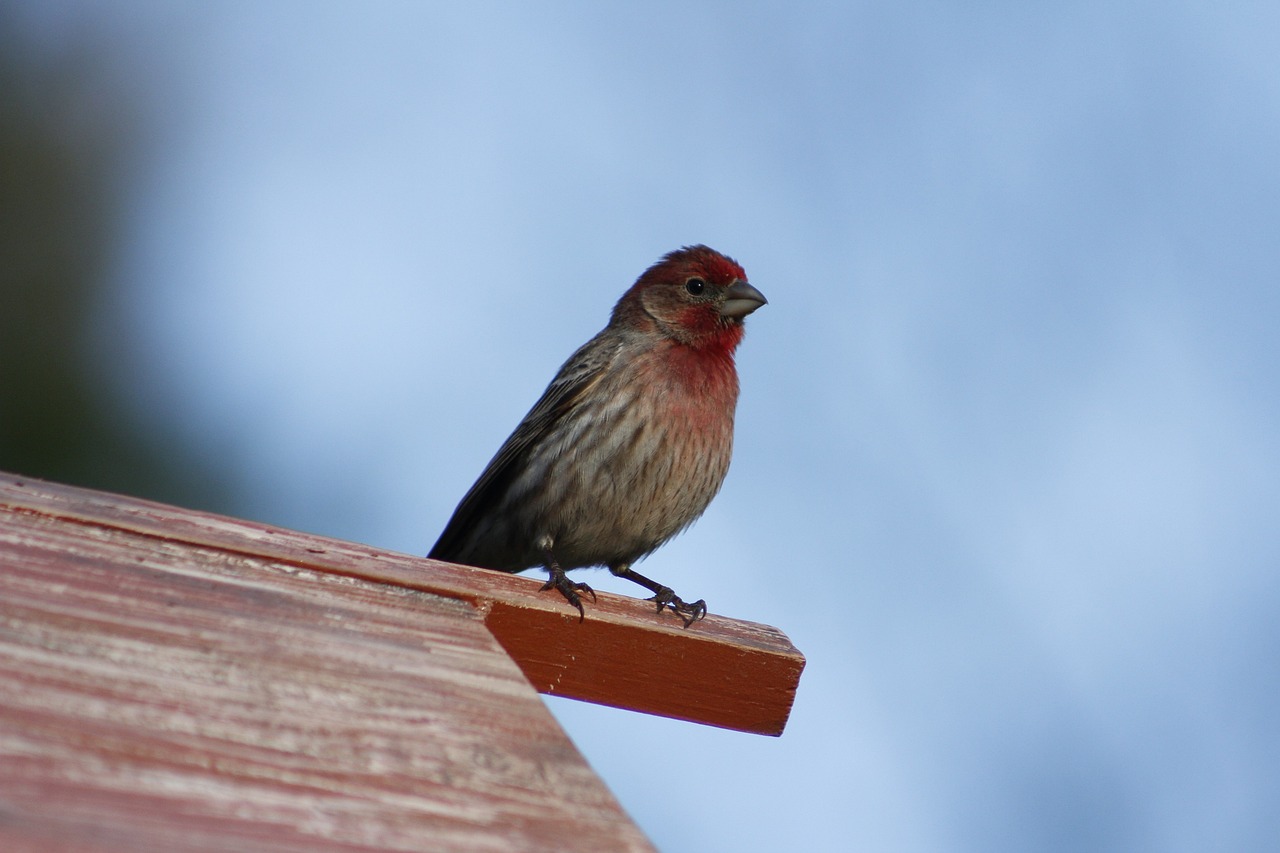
column 627, row 445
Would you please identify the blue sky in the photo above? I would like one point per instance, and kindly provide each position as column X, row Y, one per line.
column 1007, row 466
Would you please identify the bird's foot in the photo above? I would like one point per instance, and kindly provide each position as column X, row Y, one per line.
column 666, row 598
column 560, row 582
column 663, row 596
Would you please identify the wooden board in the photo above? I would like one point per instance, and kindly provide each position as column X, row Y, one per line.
column 721, row 672
column 174, row 681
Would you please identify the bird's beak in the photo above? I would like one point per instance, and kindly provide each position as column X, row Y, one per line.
column 740, row 300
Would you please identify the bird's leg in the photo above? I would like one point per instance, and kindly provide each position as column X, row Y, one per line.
column 558, row 580
column 664, row 595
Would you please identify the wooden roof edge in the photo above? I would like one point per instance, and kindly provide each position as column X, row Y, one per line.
column 721, row 672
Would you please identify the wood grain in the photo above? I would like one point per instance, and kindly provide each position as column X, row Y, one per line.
column 169, row 681
column 721, row 672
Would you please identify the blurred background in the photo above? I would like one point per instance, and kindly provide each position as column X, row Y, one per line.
column 1007, row 467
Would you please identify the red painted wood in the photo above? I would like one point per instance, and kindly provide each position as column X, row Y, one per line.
column 162, row 693
column 721, row 672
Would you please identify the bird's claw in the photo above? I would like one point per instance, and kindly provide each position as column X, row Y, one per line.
column 688, row 613
column 570, row 590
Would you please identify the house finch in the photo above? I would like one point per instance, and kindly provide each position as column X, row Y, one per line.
column 628, row 444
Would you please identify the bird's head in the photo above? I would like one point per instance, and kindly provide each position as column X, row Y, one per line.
column 694, row 295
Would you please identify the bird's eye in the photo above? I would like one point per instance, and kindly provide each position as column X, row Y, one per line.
column 695, row 286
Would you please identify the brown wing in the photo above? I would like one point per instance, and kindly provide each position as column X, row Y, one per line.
column 576, row 378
